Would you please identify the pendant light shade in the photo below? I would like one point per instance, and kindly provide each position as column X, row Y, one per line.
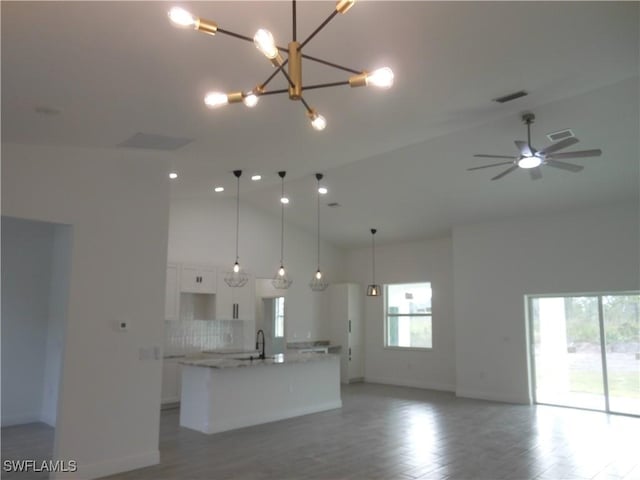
column 318, row 282
column 237, row 277
column 373, row 290
column 281, row 280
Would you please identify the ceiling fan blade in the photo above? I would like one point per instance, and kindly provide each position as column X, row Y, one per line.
column 554, row 147
column 564, row 165
column 506, row 172
column 495, row 156
column 523, row 148
column 491, row 165
column 535, row 173
column 579, row 154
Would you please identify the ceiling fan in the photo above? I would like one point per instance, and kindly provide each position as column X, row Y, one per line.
column 532, row 159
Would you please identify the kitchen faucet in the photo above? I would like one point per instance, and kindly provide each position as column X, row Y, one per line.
column 261, row 356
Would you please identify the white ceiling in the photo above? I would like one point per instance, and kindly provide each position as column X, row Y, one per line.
column 394, row 159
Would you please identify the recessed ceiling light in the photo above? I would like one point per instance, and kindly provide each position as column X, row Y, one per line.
column 218, row 189
column 284, row 200
column 173, row 175
column 323, row 190
column 255, row 178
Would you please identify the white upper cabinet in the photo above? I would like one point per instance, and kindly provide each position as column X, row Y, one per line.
column 198, row 279
column 235, row 303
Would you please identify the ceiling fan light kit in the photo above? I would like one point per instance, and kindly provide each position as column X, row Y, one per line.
column 531, row 159
column 265, row 43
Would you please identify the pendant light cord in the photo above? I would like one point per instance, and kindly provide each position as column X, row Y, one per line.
column 237, row 216
column 373, row 256
column 318, row 240
column 282, row 226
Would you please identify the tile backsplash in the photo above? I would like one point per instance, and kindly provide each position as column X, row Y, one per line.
column 190, row 336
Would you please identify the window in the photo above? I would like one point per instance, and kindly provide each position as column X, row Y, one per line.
column 278, row 315
column 408, row 315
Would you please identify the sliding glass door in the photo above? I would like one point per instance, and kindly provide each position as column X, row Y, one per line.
column 585, row 351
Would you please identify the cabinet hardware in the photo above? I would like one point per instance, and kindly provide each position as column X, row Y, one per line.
column 349, row 326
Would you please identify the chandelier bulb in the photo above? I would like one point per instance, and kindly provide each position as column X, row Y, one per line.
column 181, row 18
column 236, row 267
column 281, row 271
column 250, row 100
column 264, row 42
column 382, row 78
column 318, row 274
column 318, row 122
column 215, row 99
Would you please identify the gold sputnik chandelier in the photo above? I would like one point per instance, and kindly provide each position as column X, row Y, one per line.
column 263, row 40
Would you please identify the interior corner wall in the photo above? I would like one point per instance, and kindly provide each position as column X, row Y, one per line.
column 496, row 264
column 203, row 231
column 27, row 249
column 56, row 325
column 423, row 261
column 117, row 203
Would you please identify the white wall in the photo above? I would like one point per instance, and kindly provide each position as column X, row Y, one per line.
column 27, row 249
column 117, row 202
column 424, row 261
column 203, row 231
column 496, row 264
column 56, row 325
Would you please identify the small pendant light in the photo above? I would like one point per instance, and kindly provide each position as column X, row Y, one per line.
column 318, row 282
column 281, row 280
column 237, row 277
column 373, row 290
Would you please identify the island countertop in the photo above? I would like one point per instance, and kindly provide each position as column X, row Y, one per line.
column 278, row 359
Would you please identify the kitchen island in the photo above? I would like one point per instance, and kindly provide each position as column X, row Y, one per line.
column 222, row 394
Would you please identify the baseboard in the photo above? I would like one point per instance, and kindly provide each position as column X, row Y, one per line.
column 111, row 467
column 493, row 397
column 20, row 419
column 443, row 387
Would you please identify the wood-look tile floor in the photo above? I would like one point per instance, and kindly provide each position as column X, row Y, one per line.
column 385, row 432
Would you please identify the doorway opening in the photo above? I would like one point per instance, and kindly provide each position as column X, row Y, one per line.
column 585, row 351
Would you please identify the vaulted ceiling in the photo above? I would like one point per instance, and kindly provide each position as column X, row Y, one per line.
column 393, row 159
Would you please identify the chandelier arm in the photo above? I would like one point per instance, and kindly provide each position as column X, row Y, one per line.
column 315, row 32
column 245, row 38
column 334, row 65
column 275, row 92
column 275, row 72
column 325, row 85
column 306, row 105
column 284, row 72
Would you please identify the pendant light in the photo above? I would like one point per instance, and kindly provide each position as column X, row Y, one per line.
column 281, row 280
column 373, row 290
column 237, row 277
column 318, row 283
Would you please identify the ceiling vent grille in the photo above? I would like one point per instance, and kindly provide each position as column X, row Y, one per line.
column 333, row 205
column 560, row 135
column 511, row 96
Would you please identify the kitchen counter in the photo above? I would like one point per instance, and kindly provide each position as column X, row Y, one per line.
column 220, row 394
column 279, row 359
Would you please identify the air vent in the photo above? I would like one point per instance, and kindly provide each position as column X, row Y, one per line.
column 333, row 205
column 560, row 135
column 155, row 142
column 511, row 96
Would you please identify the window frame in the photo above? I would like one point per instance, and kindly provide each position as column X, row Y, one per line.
column 387, row 315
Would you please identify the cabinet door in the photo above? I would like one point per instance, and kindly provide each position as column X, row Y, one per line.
column 208, row 280
column 190, row 279
column 245, row 300
column 171, row 295
column 224, row 299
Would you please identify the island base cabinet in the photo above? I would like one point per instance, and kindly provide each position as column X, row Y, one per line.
column 219, row 399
